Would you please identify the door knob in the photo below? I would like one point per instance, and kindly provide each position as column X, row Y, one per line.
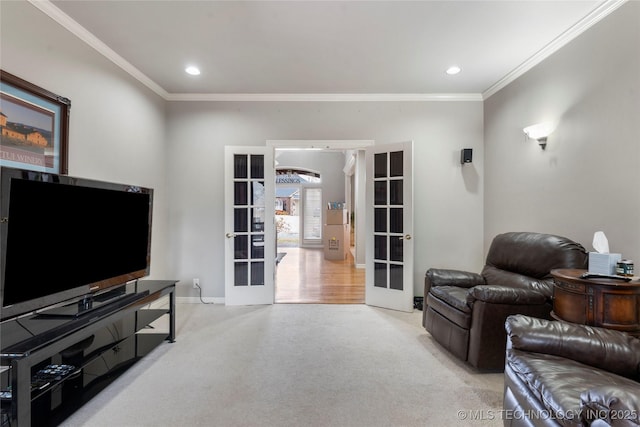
column 230, row 235
column 406, row 237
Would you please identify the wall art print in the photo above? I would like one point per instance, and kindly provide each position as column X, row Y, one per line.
column 34, row 126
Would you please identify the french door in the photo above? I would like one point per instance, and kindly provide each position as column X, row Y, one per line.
column 250, row 249
column 389, row 224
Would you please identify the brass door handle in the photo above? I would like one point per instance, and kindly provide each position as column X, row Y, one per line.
column 230, row 235
column 406, row 237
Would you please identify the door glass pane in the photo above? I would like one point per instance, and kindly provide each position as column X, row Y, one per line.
column 257, row 219
column 380, row 165
column 241, row 247
column 241, row 274
column 257, row 166
column 395, row 277
column 380, row 220
column 257, row 273
column 257, row 246
column 312, row 214
column 380, row 190
column 380, row 275
column 239, row 165
column 257, row 193
column 395, row 192
column 240, row 222
column 395, row 163
column 240, row 193
column 380, row 247
column 395, row 220
column 395, row 248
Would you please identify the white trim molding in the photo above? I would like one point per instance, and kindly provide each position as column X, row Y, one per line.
column 324, row 144
column 47, row 7
column 196, row 300
column 86, row 36
column 588, row 21
column 325, row 97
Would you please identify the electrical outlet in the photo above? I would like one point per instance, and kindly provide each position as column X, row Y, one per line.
column 196, row 283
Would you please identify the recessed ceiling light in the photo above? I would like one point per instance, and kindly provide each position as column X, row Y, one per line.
column 194, row 71
column 453, row 70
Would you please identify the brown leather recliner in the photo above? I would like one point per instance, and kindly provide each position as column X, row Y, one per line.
column 564, row 374
column 465, row 312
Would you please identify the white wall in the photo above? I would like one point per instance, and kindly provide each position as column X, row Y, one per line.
column 116, row 125
column 448, row 197
column 588, row 177
column 118, row 133
column 586, row 180
column 328, row 163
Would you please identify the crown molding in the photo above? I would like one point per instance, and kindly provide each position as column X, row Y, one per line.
column 83, row 34
column 581, row 26
column 324, row 97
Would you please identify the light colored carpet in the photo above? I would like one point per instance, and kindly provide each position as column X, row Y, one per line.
column 297, row 365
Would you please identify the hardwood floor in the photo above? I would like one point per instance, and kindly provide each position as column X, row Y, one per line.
column 304, row 276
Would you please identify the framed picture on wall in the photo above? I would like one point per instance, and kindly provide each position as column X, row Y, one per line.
column 34, row 126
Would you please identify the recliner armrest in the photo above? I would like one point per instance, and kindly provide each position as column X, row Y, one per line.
column 607, row 349
column 447, row 277
column 505, row 295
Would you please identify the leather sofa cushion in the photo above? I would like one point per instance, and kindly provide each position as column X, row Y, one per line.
column 558, row 382
column 462, row 318
column 618, row 406
column 454, row 296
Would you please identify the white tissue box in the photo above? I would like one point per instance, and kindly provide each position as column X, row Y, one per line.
column 603, row 263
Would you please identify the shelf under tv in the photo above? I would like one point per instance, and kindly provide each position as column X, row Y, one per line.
column 100, row 346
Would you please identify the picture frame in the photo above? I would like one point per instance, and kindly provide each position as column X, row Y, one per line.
column 34, row 126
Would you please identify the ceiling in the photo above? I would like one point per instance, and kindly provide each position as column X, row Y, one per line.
column 393, row 49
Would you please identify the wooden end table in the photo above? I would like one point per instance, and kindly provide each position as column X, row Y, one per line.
column 606, row 303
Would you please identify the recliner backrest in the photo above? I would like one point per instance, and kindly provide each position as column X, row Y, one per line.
column 533, row 255
column 496, row 277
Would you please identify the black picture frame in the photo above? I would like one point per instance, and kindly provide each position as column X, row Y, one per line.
column 34, row 126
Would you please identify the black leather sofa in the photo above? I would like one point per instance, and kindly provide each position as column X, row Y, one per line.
column 564, row 374
column 465, row 312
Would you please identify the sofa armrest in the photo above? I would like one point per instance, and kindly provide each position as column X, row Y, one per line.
column 607, row 349
column 447, row 277
column 505, row 295
column 618, row 405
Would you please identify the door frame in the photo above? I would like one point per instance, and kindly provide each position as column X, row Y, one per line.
column 358, row 203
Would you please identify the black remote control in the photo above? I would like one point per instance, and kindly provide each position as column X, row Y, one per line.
column 604, row 276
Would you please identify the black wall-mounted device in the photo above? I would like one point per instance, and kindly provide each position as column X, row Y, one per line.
column 466, row 155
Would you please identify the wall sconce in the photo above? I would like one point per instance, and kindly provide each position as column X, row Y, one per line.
column 540, row 132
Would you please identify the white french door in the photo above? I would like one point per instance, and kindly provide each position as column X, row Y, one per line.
column 389, row 225
column 250, row 245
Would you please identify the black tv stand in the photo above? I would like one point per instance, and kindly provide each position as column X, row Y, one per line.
column 89, row 304
column 100, row 346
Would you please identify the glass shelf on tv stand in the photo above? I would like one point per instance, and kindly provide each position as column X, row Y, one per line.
column 25, row 351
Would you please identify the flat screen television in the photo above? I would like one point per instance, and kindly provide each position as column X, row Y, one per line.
column 64, row 238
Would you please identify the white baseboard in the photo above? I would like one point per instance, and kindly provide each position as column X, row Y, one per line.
column 196, row 300
column 361, row 265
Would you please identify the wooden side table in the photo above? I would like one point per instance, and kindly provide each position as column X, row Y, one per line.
column 606, row 303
